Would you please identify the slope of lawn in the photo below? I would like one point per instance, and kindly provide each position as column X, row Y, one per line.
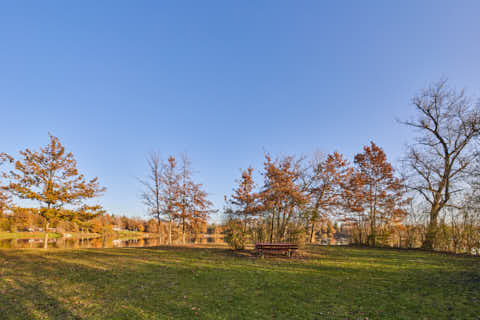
column 215, row 283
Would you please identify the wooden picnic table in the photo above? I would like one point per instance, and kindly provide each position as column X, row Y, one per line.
column 287, row 248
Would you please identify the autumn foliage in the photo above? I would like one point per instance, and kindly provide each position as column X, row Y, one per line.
column 50, row 177
column 374, row 193
column 299, row 198
column 171, row 194
column 434, row 203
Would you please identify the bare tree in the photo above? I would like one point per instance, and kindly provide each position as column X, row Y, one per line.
column 151, row 195
column 447, row 123
column 474, row 175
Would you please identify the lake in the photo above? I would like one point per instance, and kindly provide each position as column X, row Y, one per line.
column 78, row 243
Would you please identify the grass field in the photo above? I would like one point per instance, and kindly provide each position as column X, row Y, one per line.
column 215, row 283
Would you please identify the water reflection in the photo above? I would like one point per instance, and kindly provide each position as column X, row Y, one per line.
column 77, row 243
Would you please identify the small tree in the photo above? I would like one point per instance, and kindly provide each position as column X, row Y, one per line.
column 193, row 205
column 244, row 199
column 378, row 193
column 170, row 180
column 51, row 178
column 152, row 194
column 234, row 234
column 325, row 187
column 283, row 196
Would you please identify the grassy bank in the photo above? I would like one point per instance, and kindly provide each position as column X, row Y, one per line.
column 214, row 283
column 27, row 235
column 124, row 234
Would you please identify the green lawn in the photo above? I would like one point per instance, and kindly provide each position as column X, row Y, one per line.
column 214, row 283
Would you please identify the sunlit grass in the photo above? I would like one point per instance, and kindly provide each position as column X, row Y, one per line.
column 214, row 283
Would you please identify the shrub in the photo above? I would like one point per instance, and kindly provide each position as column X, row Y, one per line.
column 235, row 235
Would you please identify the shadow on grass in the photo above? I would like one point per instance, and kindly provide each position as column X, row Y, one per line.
column 27, row 300
column 217, row 283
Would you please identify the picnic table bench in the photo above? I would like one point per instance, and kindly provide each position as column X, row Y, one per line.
column 287, row 248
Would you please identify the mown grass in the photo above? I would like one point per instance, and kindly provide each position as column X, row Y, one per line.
column 214, row 283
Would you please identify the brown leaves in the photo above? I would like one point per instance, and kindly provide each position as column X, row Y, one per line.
column 373, row 192
column 296, row 195
column 192, row 203
column 244, row 198
column 50, row 177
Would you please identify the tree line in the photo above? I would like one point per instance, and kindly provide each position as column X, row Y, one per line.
column 298, row 194
column 62, row 195
column 430, row 200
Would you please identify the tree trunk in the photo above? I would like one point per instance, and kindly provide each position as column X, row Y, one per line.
column 285, row 227
column 373, row 235
column 160, row 230
column 373, row 231
column 273, row 224
column 432, row 230
column 278, row 235
column 373, row 226
column 45, row 243
column 312, row 232
column 183, row 231
column 170, row 232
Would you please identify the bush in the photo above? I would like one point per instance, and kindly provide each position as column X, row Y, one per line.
column 235, row 236
column 296, row 234
column 4, row 224
column 12, row 227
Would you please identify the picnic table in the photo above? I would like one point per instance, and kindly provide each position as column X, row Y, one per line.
column 286, row 248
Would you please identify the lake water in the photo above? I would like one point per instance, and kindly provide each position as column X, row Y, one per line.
column 70, row 243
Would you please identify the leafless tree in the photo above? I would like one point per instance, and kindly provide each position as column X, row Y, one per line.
column 151, row 195
column 447, row 123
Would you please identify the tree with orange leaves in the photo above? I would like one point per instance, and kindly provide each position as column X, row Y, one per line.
column 283, row 194
column 50, row 177
column 375, row 192
column 192, row 203
column 244, row 199
column 325, row 187
column 169, row 192
column 4, row 197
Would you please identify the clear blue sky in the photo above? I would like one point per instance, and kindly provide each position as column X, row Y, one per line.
column 221, row 80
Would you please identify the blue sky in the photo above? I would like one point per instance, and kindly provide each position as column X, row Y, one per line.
column 222, row 80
